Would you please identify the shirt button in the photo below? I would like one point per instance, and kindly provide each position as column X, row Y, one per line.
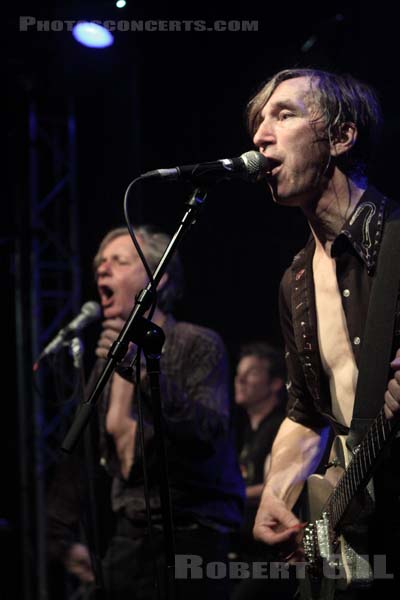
column 346, row 293
column 356, row 341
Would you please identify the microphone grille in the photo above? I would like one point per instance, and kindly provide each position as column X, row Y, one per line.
column 92, row 310
column 255, row 163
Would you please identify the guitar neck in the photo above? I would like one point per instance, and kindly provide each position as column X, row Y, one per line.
column 365, row 458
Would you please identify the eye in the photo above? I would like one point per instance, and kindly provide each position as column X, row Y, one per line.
column 285, row 114
column 121, row 259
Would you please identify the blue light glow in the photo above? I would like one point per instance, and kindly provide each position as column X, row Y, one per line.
column 92, row 35
column 120, row 3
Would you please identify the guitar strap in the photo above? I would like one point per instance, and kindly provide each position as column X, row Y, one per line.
column 379, row 331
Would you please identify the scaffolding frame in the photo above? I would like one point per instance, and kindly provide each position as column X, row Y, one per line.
column 48, row 290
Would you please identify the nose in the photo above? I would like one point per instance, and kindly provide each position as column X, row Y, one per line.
column 264, row 136
column 103, row 268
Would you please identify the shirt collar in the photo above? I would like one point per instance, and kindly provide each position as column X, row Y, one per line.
column 363, row 230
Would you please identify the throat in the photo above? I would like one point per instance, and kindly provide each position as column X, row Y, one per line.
column 332, row 210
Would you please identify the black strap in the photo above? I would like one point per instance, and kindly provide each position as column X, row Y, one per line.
column 378, row 336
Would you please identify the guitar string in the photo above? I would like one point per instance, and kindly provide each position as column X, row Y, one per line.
column 357, row 472
column 359, row 467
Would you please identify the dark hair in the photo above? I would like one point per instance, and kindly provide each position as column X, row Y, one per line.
column 154, row 243
column 275, row 360
column 341, row 99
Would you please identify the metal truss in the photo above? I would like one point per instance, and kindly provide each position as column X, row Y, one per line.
column 54, row 295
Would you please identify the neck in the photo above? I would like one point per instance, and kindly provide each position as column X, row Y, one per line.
column 258, row 412
column 328, row 214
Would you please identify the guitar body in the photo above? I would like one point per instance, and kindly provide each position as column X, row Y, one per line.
column 335, row 560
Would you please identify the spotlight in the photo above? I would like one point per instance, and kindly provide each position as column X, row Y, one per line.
column 120, row 3
column 92, row 35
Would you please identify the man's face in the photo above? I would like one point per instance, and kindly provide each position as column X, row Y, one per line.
column 292, row 135
column 252, row 382
column 120, row 276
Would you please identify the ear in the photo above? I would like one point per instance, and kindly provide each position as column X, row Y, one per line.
column 163, row 281
column 277, row 384
column 344, row 139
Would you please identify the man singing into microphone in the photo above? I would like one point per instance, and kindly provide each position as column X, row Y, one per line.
column 317, row 130
column 205, row 483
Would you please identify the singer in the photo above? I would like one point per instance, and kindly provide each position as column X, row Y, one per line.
column 318, row 129
column 206, row 487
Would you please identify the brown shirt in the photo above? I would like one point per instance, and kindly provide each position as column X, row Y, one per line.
column 205, row 481
column 355, row 250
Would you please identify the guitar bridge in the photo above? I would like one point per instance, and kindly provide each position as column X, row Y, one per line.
column 324, row 537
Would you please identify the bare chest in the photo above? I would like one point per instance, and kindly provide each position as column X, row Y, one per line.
column 335, row 347
column 119, row 422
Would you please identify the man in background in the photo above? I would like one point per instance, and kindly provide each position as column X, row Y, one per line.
column 205, row 484
column 260, row 392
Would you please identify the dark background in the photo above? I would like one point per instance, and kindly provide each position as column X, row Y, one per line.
column 160, row 99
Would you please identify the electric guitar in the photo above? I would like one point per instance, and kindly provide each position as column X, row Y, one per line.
column 333, row 546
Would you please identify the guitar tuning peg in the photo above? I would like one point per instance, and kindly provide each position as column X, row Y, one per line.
column 333, row 463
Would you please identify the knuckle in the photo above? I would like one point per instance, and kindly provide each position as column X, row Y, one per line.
column 388, row 412
column 388, row 398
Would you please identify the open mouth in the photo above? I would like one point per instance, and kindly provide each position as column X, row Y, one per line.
column 106, row 293
column 275, row 166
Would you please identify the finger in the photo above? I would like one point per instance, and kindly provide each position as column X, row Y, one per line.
column 390, row 401
column 388, row 412
column 109, row 334
column 107, row 338
column 394, row 389
column 114, row 324
column 270, row 536
column 292, row 550
column 102, row 349
column 105, row 341
column 285, row 517
column 101, row 353
column 390, row 406
column 395, row 364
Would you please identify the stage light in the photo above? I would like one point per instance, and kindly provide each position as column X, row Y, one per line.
column 92, row 35
column 120, row 3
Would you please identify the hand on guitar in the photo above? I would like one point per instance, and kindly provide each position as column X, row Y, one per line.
column 392, row 395
column 277, row 526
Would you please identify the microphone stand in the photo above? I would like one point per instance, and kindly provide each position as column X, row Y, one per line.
column 91, row 529
column 150, row 337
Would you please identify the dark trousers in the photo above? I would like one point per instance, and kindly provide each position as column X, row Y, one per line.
column 129, row 572
column 272, row 584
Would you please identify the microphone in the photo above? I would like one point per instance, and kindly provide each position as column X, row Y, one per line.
column 249, row 166
column 89, row 312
